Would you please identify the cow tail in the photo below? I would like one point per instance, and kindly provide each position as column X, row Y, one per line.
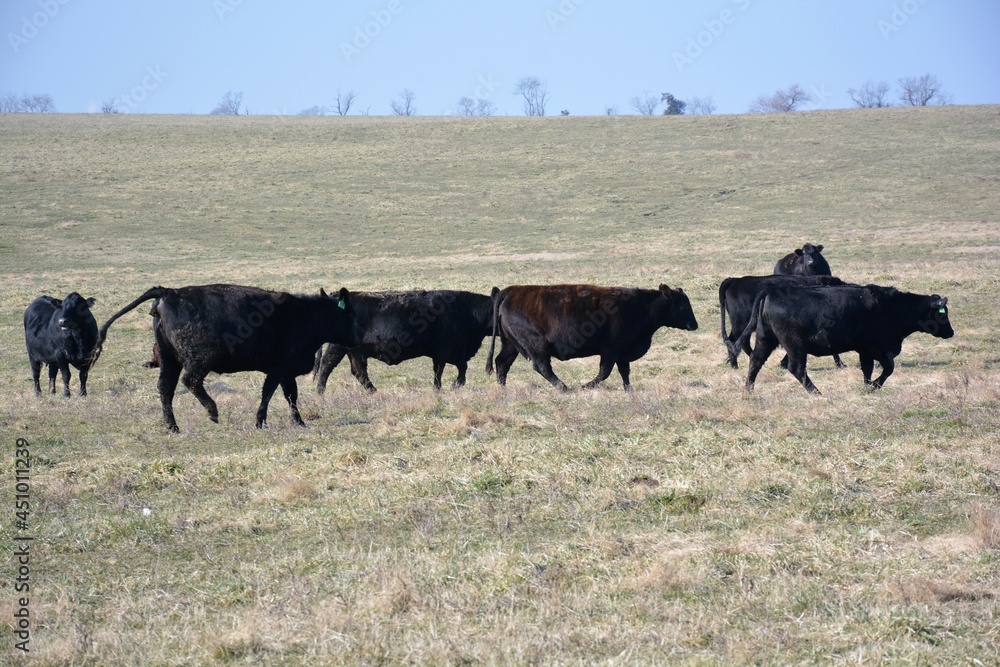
column 317, row 360
column 102, row 334
column 497, row 300
column 755, row 311
column 722, row 314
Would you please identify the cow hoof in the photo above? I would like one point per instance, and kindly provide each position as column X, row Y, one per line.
column 214, row 418
column 173, row 428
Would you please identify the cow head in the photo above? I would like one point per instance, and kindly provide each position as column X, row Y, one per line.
column 936, row 321
column 812, row 261
column 679, row 314
column 345, row 329
column 74, row 312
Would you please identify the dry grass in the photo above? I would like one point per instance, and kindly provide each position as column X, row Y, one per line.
column 685, row 522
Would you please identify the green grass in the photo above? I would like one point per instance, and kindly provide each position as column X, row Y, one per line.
column 686, row 522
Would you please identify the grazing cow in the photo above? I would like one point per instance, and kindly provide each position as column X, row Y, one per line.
column 870, row 320
column 446, row 325
column 805, row 261
column 60, row 333
column 572, row 321
column 230, row 329
column 736, row 296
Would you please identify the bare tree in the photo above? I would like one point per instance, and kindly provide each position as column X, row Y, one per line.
column 871, row 95
column 344, row 102
column 535, row 94
column 313, row 111
column 675, row 107
column 790, row 99
column 404, row 105
column 41, row 103
column 701, row 106
column 229, row 105
column 922, row 91
column 644, row 104
column 9, row 103
column 475, row 107
column 110, row 105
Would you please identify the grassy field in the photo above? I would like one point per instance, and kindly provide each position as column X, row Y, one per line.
column 686, row 522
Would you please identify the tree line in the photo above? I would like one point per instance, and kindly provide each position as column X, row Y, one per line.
column 535, row 96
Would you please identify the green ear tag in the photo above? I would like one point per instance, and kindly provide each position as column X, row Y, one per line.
column 343, row 305
column 943, row 310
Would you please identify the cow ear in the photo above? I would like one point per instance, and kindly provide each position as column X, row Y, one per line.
column 344, row 294
column 664, row 290
column 819, row 248
column 322, row 293
column 91, row 301
column 798, row 251
column 494, row 291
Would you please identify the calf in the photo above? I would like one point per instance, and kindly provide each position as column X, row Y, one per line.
column 736, row 297
column 870, row 320
column 231, row 329
column 60, row 333
column 446, row 325
column 572, row 321
column 805, row 261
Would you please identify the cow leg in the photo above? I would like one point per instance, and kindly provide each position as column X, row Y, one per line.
column 888, row 365
column 607, row 365
column 623, row 370
column 170, row 373
column 359, row 368
column 505, row 359
column 334, row 355
column 64, row 371
column 195, row 382
column 460, row 380
column 543, row 366
column 797, row 367
column 291, row 391
column 438, row 372
column 838, row 362
column 53, row 372
column 84, row 373
column 36, row 374
column 271, row 382
column 759, row 355
column 867, row 366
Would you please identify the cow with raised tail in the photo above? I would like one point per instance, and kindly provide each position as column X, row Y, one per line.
column 60, row 333
column 230, row 329
column 870, row 320
column 572, row 321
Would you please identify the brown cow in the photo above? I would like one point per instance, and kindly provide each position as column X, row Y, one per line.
column 573, row 321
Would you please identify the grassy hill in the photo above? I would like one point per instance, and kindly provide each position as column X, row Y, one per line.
column 685, row 522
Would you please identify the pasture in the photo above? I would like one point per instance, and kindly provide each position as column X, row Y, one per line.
column 686, row 522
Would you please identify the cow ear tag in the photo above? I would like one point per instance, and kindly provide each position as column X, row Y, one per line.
column 943, row 310
column 343, row 305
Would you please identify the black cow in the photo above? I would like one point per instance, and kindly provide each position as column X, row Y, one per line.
column 736, row 297
column 446, row 325
column 870, row 320
column 230, row 329
column 805, row 261
column 60, row 333
column 572, row 321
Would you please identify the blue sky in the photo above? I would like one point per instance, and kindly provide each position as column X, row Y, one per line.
column 181, row 56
